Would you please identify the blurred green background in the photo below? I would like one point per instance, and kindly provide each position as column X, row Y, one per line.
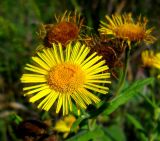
column 19, row 21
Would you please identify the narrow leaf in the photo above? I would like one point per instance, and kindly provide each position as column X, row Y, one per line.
column 126, row 95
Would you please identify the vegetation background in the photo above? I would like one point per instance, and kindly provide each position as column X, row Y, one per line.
column 137, row 120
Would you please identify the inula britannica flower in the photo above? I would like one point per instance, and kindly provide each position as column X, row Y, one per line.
column 63, row 77
column 64, row 125
column 151, row 59
column 126, row 28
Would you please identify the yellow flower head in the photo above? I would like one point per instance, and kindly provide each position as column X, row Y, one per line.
column 124, row 27
column 66, row 76
column 68, row 27
column 64, row 125
column 150, row 59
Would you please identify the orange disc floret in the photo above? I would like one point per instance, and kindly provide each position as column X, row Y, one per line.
column 128, row 29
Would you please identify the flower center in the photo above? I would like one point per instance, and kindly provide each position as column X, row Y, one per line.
column 66, row 78
column 62, row 32
column 132, row 32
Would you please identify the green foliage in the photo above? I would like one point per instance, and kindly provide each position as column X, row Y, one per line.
column 3, row 135
column 127, row 95
column 115, row 133
column 108, row 108
column 95, row 135
column 137, row 126
column 131, row 115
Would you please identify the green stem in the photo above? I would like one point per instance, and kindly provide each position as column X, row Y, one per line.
column 122, row 80
column 92, row 124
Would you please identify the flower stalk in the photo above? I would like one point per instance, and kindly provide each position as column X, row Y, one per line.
column 126, row 62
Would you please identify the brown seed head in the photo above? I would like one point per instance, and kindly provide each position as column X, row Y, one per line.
column 68, row 27
column 62, row 32
column 110, row 51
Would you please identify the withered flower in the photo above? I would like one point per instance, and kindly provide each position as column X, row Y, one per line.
column 68, row 27
column 111, row 50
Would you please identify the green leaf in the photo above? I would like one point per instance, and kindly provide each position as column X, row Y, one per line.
column 96, row 135
column 115, row 133
column 126, row 95
column 14, row 117
column 77, row 122
column 135, row 122
column 138, row 126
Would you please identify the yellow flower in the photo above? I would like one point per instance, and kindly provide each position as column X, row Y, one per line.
column 64, row 125
column 150, row 59
column 66, row 76
column 124, row 27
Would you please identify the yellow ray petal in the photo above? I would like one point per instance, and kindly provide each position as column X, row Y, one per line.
column 83, row 56
column 98, row 86
column 95, row 66
column 51, row 100
column 59, row 104
column 45, row 59
column 69, row 101
column 40, row 71
column 78, row 100
column 75, row 52
column 79, row 53
column 95, row 89
column 98, row 76
column 91, row 96
column 88, row 59
column 61, row 52
column 98, row 70
column 41, row 63
column 98, row 81
column 37, row 90
column 68, row 52
column 27, row 79
column 33, row 87
column 40, row 95
column 91, row 62
column 57, row 56
column 84, row 96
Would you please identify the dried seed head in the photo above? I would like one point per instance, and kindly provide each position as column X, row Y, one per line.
column 109, row 49
column 68, row 27
column 63, row 32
